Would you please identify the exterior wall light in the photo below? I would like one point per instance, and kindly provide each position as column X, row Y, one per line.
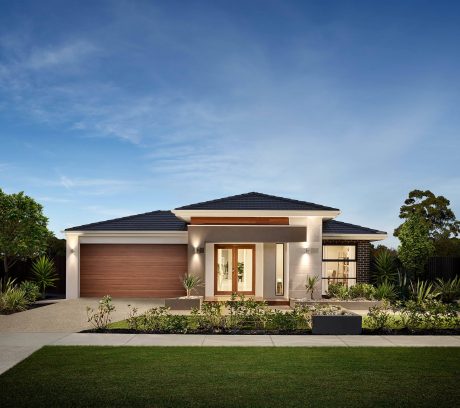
column 311, row 250
column 72, row 251
column 199, row 250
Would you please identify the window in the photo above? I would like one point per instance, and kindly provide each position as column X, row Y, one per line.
column 339, row 265
column 279, row 273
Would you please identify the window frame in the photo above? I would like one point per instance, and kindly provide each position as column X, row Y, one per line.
column 349, row 260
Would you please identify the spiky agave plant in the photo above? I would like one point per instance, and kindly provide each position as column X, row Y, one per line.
column 384, row 267
column 44, row 273
column 449, row 290
column 421, row 291
column 191, row 282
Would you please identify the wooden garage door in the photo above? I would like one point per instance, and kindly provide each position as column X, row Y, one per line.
column 132, row 270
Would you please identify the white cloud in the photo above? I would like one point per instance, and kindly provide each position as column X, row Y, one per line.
column 57, row 56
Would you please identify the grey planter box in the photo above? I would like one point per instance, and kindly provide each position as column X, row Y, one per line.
column 339, row 324
column 346, row 304
column 184, row 303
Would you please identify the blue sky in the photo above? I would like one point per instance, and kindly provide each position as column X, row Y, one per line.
column 121, row 107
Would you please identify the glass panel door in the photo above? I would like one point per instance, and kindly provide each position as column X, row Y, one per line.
column 245, row 270
column 224, row 270
column 234, row 269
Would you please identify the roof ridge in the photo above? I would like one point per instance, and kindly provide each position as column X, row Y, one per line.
column 252, row 193
column 116, row 219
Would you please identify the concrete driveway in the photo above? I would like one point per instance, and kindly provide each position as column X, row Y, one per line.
column 66, row 316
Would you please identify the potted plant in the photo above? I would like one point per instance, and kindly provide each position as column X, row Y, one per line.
column 188, row 302
column 310, row 284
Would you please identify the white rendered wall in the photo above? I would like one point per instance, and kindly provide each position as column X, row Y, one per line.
column 303, row 264
column 72, row 285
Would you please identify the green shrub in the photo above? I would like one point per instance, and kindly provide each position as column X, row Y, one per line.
column 379, row 317
column 385, row 290
column 361, row 290
column 44, row 273
column 422, row 291
column 31, row 290
column 338, row 290
column 448, row 290
column 209, row 317
column 428, row 314
column 12, row 298
column 246, row 313
column 101, row 317
column 384, row 267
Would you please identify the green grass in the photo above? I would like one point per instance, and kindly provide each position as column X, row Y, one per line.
column 234, row 377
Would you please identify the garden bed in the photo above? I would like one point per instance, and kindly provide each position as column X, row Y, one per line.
column 347, row 304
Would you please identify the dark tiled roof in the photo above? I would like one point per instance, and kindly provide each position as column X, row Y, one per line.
column 150, row 221
column 339, row 227
column 256, row 201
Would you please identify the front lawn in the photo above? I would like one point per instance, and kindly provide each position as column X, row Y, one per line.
column 234, row 377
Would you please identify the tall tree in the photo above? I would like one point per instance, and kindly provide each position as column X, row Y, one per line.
column 435, row 210
column 416, row 245
column 23, row 229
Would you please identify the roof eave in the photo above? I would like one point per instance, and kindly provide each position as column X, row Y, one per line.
column 125, row 233
column 187, row 214
column 359, row 237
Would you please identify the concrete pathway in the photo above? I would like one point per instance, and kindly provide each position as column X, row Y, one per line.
column 15, row 347
column 68, row 315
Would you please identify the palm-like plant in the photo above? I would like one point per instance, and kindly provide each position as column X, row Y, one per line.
column 311, row 283
column 191, row 282
column 449, row 290
column 44, row 273
column 422, row 291
column 384, row 268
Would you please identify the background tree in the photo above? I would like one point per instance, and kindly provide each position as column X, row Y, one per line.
column 435, row 211
column 416, row 244
column 23, row 229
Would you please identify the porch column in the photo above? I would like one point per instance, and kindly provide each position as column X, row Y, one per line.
column 72, row 286
column 305, row 258
column 196, row 260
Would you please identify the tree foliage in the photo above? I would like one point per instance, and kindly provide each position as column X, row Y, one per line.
column 416, row 245
column 435, row 211
column 23, row 228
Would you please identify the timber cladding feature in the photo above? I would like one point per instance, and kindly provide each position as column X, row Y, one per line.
column 131, row 270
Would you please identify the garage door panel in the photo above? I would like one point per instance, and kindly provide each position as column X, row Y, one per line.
column 132, row 270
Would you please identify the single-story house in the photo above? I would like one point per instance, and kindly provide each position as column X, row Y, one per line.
column 254, row 244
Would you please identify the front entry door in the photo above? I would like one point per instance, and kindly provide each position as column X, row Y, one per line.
column 234, row 269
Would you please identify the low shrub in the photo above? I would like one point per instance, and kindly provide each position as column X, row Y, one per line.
column 385, row 291
column 428, row 314
column 209, row 317
column 101, row 317
column 379, row 317
column 361, row 290
column 421, row 291
column 12, row 298
column 448, row 290
column 243, row 314
column 338, row 290
column 246, row 313
column 31, row 289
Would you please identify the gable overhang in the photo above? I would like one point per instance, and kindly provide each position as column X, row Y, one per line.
column 355, row 237
column 186, row 215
